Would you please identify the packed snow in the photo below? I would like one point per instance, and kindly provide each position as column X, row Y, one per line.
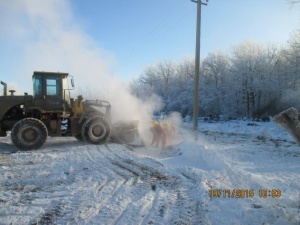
column 236, row 172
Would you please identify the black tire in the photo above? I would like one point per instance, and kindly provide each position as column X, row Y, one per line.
column 29, row 133
column 2, row 133
column 96, row 130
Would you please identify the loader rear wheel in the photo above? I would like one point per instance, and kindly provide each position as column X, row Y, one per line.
column 29, row 133
column 96, row 130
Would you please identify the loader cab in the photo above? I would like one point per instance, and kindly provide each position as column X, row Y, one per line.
column 51, row 91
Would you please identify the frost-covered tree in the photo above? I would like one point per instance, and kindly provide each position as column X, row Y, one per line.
column 253, row 66
column 254, row 80
column 173, row 82
column 215, row 81
column 181, row 92
column 291, row 72
column 293, row 54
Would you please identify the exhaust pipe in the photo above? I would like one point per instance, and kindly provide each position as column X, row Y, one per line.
column 5, row 88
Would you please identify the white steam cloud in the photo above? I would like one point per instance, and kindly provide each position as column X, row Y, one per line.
column 50, row 39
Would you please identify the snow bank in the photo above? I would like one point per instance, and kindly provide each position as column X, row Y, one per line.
column 191, row 154
column 251, row 129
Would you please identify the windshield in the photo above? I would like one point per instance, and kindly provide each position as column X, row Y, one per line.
column 37, row 85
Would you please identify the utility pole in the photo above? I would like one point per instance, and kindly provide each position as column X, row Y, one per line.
column 197, row 68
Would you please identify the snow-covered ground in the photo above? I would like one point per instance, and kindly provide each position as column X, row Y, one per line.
column 233, row 174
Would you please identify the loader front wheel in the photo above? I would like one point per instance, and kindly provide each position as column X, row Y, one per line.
column 96, row 130
column 29, row 133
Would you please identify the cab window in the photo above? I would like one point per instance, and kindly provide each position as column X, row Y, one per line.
column 52, row 86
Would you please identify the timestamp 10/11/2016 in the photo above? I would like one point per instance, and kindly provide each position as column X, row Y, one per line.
column 244, row 193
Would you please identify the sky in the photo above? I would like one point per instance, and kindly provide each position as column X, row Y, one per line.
column 98, row 41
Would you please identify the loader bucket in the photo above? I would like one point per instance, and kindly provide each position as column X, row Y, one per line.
column 126, row 132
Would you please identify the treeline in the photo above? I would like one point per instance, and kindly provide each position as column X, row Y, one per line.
column 253, row 80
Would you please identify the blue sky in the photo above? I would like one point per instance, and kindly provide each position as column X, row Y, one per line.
column 97, row 39
column 143, row 32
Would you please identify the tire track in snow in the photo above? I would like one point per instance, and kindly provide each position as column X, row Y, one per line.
column 173, row 203
column 103, row 191
column 114, row 180
column 121, row 205
column 95, row 185
column 109, row 198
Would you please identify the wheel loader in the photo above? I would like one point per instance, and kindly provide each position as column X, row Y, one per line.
column 50, row 111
